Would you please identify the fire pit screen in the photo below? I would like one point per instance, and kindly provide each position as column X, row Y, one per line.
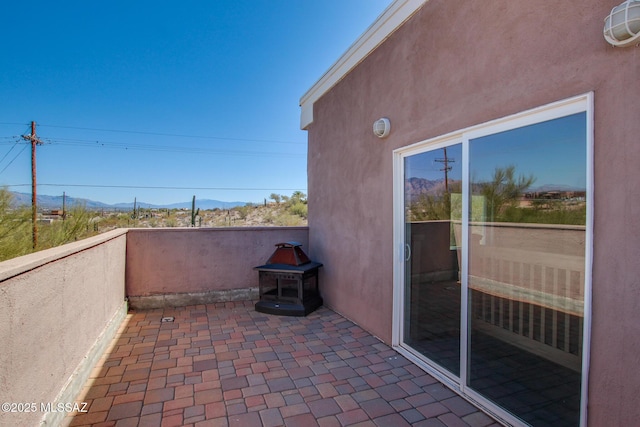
column 288, row 282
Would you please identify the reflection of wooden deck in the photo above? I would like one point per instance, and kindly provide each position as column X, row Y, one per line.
column 540, row 392
column 548, row 333
column 526, row 305
column 533, row 299
column 434, row 327
column 549, row 280
column 435, row 309
column 512, row 360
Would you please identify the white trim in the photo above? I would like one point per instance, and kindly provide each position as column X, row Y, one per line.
column 397, row 325
column 442, row 375
column 536, row 115
column 386, row 24
column 397, row 329
column 465, row 336
column 452, row 382
column 588, row 259
column 578, row 104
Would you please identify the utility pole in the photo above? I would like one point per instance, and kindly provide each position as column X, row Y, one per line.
column 193, row 211
column 446, row 168
column 33, row 138
column 134, row 216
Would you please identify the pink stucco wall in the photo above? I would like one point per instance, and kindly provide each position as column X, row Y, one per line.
column 456, row 64
column 200, row 260
column 54, row 307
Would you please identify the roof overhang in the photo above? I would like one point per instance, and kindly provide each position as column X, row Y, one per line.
column 386, row 24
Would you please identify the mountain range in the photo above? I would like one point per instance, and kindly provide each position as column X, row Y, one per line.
column 416, row 186
column 55, row 202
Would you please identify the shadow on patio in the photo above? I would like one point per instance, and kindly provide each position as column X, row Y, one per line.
column 225, row 364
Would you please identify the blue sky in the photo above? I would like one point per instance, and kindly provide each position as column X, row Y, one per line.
column 553, row 152
column 198, row 94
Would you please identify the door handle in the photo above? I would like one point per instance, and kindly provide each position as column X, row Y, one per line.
column 407, row 251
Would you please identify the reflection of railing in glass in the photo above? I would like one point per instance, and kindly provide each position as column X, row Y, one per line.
column 526, row 283
column 518, row 282
column 525, row 267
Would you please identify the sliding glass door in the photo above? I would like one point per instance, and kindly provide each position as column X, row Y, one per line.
column 432, row 206
column 526, row 268
column 493, row 285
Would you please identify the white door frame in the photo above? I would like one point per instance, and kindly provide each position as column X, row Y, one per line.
column 578, row 104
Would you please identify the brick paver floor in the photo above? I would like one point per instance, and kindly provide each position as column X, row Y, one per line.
column 227, row 365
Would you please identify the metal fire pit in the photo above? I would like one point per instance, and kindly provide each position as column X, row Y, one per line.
column 288, row 282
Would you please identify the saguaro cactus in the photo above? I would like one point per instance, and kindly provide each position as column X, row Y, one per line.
column 193, row 211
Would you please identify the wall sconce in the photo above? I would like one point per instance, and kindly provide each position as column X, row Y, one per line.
column 622, row 26
column 381, row 127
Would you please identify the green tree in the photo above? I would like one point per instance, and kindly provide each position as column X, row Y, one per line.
column 275, row 197
column 297, row 204
column 298, row 196
column 435, row 205
column 504, row 190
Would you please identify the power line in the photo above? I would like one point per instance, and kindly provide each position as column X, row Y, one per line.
column 447, row 168
column 173, row 134
column 163, row 148
column 144, row 187
column 12, row 123
column 10, row 150
column 222, row 138
column 12, row 160
column 158, row 148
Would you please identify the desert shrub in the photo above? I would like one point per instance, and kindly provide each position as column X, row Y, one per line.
column 299, row 208
column 285, row 219
column 243, row 211
column 16, row 237
column 15, row 228
column 79, row 223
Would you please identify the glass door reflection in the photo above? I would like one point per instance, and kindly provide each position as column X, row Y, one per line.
column 527, row 269
column 432, row 205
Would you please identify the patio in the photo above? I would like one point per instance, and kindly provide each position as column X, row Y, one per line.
column 224, row 364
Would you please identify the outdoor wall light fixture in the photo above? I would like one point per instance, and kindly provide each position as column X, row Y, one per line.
column 622, row 26
column 382, row 127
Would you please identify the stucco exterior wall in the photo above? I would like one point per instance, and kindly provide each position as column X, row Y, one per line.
column 456, row 64
column 197, row 260
column 54, row 306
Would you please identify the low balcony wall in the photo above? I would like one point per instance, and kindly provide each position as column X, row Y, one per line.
column 59, row 309
column 182, row 266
